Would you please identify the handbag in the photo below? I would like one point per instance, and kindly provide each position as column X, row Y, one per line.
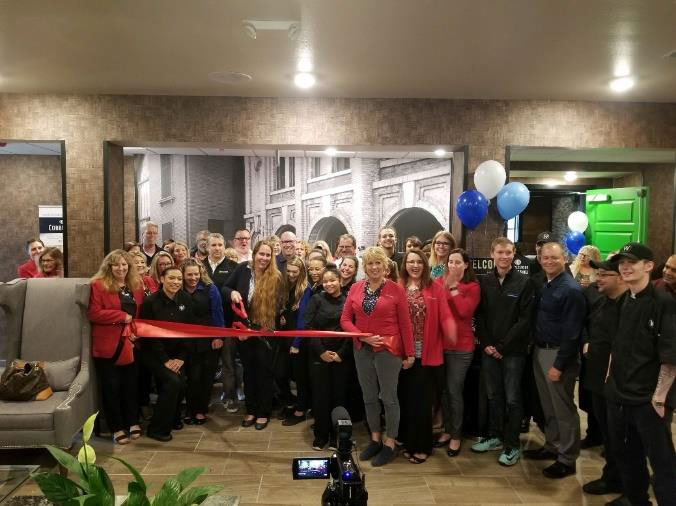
column 24, row 381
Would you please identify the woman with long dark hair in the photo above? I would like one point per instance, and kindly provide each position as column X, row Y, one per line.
column 50, row 264
column 203, row 358
column 433, row 325
column 462, row 294
column 116, row 296
column 378, row 306
column 349, row 268
column 257, row 285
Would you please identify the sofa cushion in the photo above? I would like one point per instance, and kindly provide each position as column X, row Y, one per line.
column 61, row 374
column 30, row 415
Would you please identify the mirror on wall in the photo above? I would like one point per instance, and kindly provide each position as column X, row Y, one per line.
column 627, row 195
column 32, row 200
column 317, row 193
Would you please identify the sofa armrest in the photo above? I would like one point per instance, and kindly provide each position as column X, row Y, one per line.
column 77, row 388
column 71, row 414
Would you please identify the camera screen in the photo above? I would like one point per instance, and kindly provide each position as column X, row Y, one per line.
column 310, row 469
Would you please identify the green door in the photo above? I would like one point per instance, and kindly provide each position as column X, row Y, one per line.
column 617, row 216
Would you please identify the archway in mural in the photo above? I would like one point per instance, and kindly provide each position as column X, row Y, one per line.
column 414, row 221
column 285, row 228
column 328, row 229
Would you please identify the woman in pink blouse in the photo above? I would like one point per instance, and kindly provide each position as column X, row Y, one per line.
column 433, row 327
column 462, row 294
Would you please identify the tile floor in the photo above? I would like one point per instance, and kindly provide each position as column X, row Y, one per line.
column 256, row 465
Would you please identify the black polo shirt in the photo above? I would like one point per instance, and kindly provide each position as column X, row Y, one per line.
column 559, row 317
column 149, row 258
column 645, row 339
column 160, row 307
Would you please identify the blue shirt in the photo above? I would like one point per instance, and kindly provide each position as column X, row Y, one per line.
column 560, row 316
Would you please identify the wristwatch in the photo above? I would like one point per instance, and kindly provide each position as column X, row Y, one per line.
column 658, row 403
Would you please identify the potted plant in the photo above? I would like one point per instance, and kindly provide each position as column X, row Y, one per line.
column 94, row 488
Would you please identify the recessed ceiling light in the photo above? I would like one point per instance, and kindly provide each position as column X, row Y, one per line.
column 621, row 84
column 551, row 184
column 331, row 151
column 304, row 80
column 304, row 65
column 571, row 175
column 439, row 152
column 230, row 77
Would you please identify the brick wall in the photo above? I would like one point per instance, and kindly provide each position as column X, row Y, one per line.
column 28, row 182
column 486, row 127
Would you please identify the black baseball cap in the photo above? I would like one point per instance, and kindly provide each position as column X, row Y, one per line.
column 544, row 237
column 611, row 264
column 634, row 251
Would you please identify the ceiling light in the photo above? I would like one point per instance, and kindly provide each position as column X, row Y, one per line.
column 551, row 184
column 304, row 80
column 571, row 175
column 439, row 152
column 331, row 151
column 621, row 84
column 622, row 68
column 304, row 65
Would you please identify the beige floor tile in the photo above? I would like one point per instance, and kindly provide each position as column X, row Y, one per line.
column 234, row 441
column 411, row 489
column 276, row 463
column 246, row 487
column 545, row 491
column 174, row 462
column 138, row 460
column 279, row 489
column 461, row 489
column 182, row 440
column 292, row 442
column 486, row 464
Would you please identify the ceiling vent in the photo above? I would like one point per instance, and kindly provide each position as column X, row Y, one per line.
column 252, row 26
column 230, row 77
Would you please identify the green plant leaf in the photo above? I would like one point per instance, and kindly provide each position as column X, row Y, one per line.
column 168, row 494
column 101, row 486
column 137, row 476
column 137, row 495
column 55, row 487
column 68, row 461
column 83, row 500
column 187, row 476
column 88, row 428
column 197, row 495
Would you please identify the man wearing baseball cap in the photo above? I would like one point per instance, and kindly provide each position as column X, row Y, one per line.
column 542, row 238
column 638, row 388
column 604, row 298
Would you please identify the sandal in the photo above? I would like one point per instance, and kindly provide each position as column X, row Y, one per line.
column 122, row 439
column 135, row 433
column 440, row 443
column 417, row 460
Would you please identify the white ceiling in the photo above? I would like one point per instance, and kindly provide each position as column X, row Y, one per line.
column 30, row 148
column 491, row 49
column 415, row 152
column 600, row 155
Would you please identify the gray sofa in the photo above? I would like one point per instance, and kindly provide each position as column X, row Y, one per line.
column 46, row 320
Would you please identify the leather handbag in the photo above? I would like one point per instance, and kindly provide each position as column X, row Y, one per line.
column 24, row 381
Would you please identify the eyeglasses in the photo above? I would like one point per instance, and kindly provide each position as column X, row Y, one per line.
column 242, row 238
column 442, row 243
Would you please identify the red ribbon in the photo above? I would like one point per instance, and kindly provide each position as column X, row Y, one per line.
column 170, row 330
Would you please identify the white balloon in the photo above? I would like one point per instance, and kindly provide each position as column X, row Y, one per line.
column 489, row 178
column 578, row 221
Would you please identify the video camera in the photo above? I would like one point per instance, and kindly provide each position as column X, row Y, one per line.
column 347, row 485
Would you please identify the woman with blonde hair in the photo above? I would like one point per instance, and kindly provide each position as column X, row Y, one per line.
column 50, row 264
column 202, row 361
column 323, row 245
column 584, row 273
column 302, row 249
column 181, row 253
column 257, row 286
column 161, row 262
column 276, row 244
column 115, row 299
column 379, row 307
column 442, row 244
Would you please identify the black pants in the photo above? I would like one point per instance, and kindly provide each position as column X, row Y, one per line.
column 119, row 385
column 259, row 383
column 145, row 379
column 611, row 473
column 200, row 371
column 301, row 375
column 170, row 391
column 532, row 407
column 586, row 404
column 416, row 398
column 502, row 378
column 281, row 370
column 638, row 432
column 329, row 388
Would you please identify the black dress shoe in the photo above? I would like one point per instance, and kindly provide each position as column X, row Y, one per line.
column 539, row 454
column 178, row 425
column 558, row 470
column 601, row 487
column 588, row 442
column 619, row 501
column 293, row 420
column 164, row 438
column 248, row 423
column 261, row 425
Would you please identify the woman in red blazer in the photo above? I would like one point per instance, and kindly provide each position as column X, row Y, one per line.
column 462, row 294
column 116, row 297
column 433, row 326
column 378, row 306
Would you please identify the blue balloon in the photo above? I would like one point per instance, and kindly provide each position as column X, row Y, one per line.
column 471, row 208
column 574, row 241
column 512, row 200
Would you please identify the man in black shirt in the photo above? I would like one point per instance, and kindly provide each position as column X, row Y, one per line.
column 504, row 320
column 559, row 318
column 639, row 389
column 288, row 241
column 603, row 300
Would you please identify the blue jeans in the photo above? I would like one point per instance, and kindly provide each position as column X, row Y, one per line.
column 502, row 378
column 456, row 364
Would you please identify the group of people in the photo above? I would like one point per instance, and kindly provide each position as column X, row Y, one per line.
column 413, row 321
